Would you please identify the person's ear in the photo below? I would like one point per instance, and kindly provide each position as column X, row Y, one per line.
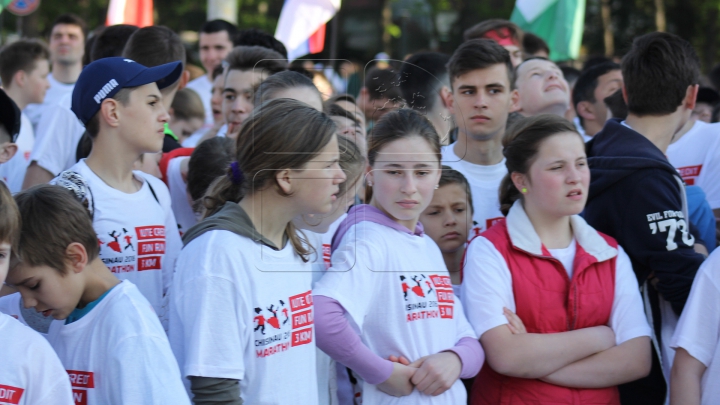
column 519, row 180
column 369, row 174
column 624, row 93
column 586, row 110
column 110, row 112
column 691, row 96
column 447, row 98
column 20, row 77
column 76, row 256
column 282, row 177
column 184, row 79
column 515, row 105
column 7, row 151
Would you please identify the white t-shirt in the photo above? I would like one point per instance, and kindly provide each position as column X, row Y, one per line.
column 30, row 371
column 397, row 291
column 566, row 256
column 53, row 95
column 203, row 87
column 118, row 353
column 241, row 310
column 138, row 235
column 56, row 137
column 484, row 185
column 698, row 330
column 184, row 213
column 697, row 157
column 13, row 171
column 487, row 288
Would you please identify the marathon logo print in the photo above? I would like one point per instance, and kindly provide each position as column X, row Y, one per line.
column 283, row 325
column 151, row 247
column 419, row 298
column 81, row 381
column 10, row 395
column 105, row 90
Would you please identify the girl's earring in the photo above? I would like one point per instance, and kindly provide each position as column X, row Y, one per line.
column 369, row 183
column 524, row 190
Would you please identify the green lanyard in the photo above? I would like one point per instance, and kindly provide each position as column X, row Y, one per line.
column 170, row 133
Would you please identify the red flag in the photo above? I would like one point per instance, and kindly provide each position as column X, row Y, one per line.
column 133, row 12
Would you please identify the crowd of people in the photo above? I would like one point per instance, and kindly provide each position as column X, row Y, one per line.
column 486, row 227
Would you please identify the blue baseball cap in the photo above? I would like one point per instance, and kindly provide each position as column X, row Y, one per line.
column 105, row 77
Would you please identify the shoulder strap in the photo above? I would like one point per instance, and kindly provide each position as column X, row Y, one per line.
column 152, row 191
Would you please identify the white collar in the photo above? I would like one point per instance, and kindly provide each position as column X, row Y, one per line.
column 523, row 236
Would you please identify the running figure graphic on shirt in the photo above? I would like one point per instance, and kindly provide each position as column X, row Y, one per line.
column 260, row 321
column 418, row 288
column 430, row 289
column 115, row 244
column 273, row 321
column 405, row 287
column 128, row 240
column 285, row 312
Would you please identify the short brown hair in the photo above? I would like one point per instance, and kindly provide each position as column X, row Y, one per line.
column 452, row 176
column 188, row 105
column 21, row 55
column 155, row 46
column 255, row 57
column 70, row 19
column 657, row 72
column 480, row 29
column 52, row 219
column 479, row 54
column 9, row 218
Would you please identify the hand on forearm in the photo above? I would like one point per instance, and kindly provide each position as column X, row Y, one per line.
column 536, row 355
column 617, row 365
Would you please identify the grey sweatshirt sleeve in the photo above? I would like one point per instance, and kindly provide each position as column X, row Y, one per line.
column 215, row 391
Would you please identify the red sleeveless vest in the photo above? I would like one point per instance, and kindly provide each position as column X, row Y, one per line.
column 548, row 301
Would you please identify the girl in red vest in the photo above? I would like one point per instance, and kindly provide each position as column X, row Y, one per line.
column 555, row 303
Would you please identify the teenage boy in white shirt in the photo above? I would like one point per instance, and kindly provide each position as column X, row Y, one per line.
column 481, row 77
column 120, row 103
column 111, row 343
column 541, row 89
column 57, row 131
column 24, row 68
column 67, row 47
column 215, row 42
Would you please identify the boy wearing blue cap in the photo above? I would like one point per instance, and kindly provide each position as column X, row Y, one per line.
column 120, row 103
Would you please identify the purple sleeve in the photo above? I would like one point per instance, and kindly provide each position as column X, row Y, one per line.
column 336, row 337
column 471, row 356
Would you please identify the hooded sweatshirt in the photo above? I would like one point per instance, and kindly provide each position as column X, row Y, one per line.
column 637, row 197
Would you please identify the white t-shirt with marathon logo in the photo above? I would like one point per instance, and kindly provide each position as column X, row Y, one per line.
column 697, row 157
column 118, row 353
column 30, row 371
column 484, row 185
column 397, row 291
column 243, row 311
column 138, row 234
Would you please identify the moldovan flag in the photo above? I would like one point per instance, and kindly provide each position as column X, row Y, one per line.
column 133, row 12
column 301, row 26
column 559, row 22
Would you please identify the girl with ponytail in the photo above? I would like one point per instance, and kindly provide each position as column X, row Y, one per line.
column 241, row 322
column 555, row 302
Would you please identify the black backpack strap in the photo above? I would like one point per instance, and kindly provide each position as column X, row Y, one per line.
column 152, row 191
